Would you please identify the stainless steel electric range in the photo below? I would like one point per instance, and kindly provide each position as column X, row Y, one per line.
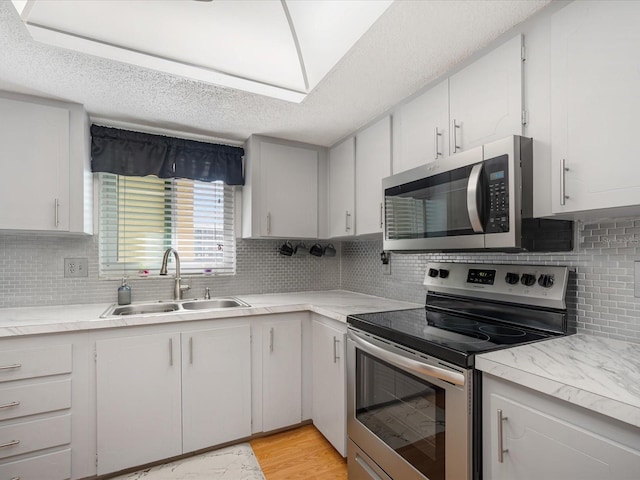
column 413, row 394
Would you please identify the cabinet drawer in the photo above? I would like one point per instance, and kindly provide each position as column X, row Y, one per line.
column 34, row 362
column 31, row 436
column 31, row 399
column 53, row 466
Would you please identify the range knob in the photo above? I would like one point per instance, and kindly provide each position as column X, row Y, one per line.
column 528, row 279
column 545, row 280
column 512, row 278
column 443, row 273
column 433, row 272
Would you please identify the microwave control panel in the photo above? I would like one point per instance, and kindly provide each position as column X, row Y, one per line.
column 497, row 181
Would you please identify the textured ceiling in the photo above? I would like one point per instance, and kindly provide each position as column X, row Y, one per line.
column 413, row 43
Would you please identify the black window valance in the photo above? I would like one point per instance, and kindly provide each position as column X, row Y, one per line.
column 139, row 154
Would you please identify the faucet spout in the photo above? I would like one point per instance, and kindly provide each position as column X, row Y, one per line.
column 178, row 288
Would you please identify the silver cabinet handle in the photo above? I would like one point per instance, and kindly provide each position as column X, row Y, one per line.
column 10, row 404
column 436, row 152
column 563, row 175
column 472, row 198
column 456, row 147
column 271, row 340
column 381, row 215
column 9, row 367
column 347, row 224
column 336, row 357
column 15, row 478
column 501, row 449
column 191, row 350
column 57, row 211
column 171, row 352
column 10, row 444
column 269, row 223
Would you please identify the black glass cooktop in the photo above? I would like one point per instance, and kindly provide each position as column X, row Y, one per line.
column 445, row 335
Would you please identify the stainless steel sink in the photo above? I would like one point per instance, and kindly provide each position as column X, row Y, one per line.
column 213, row 303
column 178, row 306
column 145, row 308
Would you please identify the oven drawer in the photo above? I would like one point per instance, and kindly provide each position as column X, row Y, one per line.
column 361, row 467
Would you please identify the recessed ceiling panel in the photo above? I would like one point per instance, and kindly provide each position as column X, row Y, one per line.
column 262, row 46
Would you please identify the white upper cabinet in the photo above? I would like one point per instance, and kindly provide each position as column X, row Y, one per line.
column 595, row 98
column 421, row 129
column 373, row 163
column 280, row 196
column 485, row 98
column 46, row 178
column 341, row 189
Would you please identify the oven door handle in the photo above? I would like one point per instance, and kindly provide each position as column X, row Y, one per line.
column 413, row 366
column 472, row 198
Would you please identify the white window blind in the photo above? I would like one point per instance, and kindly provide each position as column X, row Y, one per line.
column 140, row 217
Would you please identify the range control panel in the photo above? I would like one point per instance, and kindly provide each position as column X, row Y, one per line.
column 526, row 284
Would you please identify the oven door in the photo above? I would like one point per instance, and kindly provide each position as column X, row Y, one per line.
column 408, row 413
column 436, row 206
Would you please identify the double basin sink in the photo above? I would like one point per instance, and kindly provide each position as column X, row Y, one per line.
column 175, row 306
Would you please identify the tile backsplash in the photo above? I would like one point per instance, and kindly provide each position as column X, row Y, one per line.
column 601, row 288
column 32, row 273
column 600, row 295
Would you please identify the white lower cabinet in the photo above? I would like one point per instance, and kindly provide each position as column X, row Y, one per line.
column 281, row 373
column 161, row 395
column 138, row 400
column 540, row 437
column 216, row 386
column 44, row 408
column 329, row 372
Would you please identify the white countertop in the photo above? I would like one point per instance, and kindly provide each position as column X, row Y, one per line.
column 335, row 304
column 599, row 374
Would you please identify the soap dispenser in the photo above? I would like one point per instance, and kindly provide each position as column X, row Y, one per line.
column 124, row 293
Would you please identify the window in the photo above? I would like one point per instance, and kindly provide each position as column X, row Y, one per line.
column 140, row 217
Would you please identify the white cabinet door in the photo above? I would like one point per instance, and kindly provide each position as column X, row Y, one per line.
column 34, row 153
column 485, row 98
column 216, row 386
column 421, row 129
column 595, row 97
column 281, row 373
column 329, row 394
column 373, row 163
column 289, row 189
column 341, row 189
column 138, row 400
column 547, row 439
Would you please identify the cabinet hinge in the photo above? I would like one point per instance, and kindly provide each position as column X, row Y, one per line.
column 523, row 53
column 96, row 460
column 525, row 117
column 95, row 356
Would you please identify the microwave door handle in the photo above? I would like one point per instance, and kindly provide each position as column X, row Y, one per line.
column 472, row 198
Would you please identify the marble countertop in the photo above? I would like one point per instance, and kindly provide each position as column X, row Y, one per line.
column 335, row 304
column 596, row 373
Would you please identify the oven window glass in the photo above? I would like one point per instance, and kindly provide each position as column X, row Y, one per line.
column 405, row 412
column 432, row 207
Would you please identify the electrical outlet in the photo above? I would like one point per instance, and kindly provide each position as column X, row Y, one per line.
column 76, row 267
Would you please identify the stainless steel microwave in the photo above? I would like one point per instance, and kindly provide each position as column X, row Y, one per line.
column 479, row 199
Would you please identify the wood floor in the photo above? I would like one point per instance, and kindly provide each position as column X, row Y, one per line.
column 302, row 453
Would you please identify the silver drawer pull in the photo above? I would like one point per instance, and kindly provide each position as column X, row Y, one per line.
column 10, row 404
column 9, row 367
column 15, row 478
column 10, row 444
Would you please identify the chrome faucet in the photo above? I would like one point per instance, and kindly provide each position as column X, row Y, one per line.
column 177, row 289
